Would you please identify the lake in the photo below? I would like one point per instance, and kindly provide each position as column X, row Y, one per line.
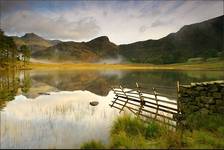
column 50, row 108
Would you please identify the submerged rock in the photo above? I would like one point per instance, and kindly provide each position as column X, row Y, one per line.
column 94, row 103
column 43, row 93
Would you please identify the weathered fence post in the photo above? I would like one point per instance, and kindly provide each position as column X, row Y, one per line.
column 114, row 99
column 178, row 103
column 126, row 98
column 157, row 110
column 141, row 99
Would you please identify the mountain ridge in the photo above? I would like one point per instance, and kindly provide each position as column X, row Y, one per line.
column 203, row 39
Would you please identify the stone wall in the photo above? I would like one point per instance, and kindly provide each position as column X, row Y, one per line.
column 204, row 98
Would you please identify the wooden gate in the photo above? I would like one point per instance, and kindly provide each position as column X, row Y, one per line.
column 146, row 105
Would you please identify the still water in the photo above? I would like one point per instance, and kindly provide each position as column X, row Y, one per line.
column 63, row 118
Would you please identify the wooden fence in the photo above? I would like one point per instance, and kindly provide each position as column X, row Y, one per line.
column 146, row 105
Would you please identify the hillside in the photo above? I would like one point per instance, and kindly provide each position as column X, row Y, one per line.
column 103, row 47
column 91, row 51
column 34, row 42
column 203, row 39
column 67, row 51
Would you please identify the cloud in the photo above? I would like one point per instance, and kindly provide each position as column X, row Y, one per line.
column 122, row 21
column 60, row 27
column 143, row 28
column 159, row 22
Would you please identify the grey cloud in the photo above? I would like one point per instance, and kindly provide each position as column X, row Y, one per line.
column 160, row 23
column 143, row 28
column 59, row 28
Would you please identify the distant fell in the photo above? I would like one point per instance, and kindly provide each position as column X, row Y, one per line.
column 204, row 39
column 199, row 40
column 34, row 42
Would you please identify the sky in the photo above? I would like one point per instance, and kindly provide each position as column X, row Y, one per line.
column 122, row 21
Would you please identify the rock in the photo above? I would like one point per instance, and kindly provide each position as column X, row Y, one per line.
column 204, row 111
column 211, row 101
column 213, row 89
column 221, row 110
column 207, row 106
column 94, row 103
column 198, row 99
column 203, row 93
column 217, row 95
column 194, row 108
column 43, row 93
column 222, row 90
column 199, row 88
column 219, row 103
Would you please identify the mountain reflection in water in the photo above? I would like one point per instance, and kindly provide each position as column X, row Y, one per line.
column 64, row 119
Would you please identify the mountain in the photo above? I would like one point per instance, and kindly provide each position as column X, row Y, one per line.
column 203, row 39
column 103, row 47
column 91, row 51
column 34, row 42
column 67, row 51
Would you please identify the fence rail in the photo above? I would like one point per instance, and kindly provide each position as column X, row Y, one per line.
column 147, row 105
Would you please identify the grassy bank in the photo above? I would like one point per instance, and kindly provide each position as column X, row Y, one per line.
column 216, row 65
column 130, row 132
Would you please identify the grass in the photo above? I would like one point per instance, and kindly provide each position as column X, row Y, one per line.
column 131, row 133
column 214, row 65
column 93, row 145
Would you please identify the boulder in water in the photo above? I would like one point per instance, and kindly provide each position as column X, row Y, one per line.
column 94, row 103
column 43, row 93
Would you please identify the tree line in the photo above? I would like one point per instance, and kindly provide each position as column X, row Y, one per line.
column 10, row 54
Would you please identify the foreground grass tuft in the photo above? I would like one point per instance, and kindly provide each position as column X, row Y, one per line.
column 93, row 145
column 131, row 133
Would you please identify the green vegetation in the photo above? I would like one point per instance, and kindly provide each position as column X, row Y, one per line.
column 11, row 82
column 93, row 145
column 130, row 132
column 10, row 55
column 25, row 54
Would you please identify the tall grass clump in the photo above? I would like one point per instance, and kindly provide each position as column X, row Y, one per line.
column 131, row 125
column 208, row 122
column 131, row 132
column 93, row 145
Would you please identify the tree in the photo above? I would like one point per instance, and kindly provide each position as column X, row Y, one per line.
column 8, row 50
column 25, row 51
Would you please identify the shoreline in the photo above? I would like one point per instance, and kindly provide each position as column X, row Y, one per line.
column 211, row 66
column 206, row 66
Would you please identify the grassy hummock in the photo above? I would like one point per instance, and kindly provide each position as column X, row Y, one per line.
column 130, row 132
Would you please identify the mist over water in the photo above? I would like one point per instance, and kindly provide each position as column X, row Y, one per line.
column 118, row 60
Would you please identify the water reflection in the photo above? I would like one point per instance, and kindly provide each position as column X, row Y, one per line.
column 11, row 82
column 31, row 83
column 65, row 119
column 59, row 120
column 99, row 82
